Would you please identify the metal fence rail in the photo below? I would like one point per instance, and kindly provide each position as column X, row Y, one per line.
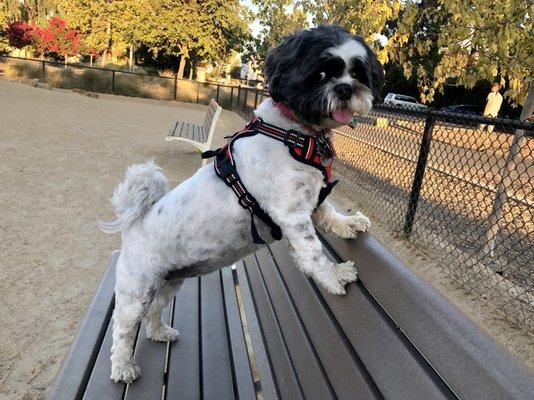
column 242, row 99
column 460, row 193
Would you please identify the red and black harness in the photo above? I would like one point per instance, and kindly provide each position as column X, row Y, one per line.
column 316, row 151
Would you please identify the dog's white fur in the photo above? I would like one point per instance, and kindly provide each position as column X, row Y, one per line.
column 200, row 227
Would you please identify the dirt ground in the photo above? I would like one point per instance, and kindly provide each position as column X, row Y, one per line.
column 62, row 154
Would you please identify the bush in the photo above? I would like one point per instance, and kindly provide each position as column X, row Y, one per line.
column 64, row 78
column 22, row 69
column 94, row 80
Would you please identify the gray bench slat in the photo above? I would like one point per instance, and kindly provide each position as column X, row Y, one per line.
column 76, row 368
column 100, row 385
column 184, row 364
column 345, row 373
column 286, row 378
column 313, row 382
column 472, row 363
column 393, row 365
column 261, row 357
column 150, row 356
column 242, row 373
column 216, row 367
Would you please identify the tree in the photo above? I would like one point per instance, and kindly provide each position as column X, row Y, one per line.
column 207, row 29
column 58, row 39
column 365, row 18
column 40, row 39
column 91, row 19
column 4, row 43
column 277, row 18
column 18, row 34
column 442, row 41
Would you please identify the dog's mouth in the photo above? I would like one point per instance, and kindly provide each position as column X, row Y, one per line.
column 342, row 115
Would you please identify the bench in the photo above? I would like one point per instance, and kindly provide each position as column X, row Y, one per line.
column 390, row 337
column 199, row 136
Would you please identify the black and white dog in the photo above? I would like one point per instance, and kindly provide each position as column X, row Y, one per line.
column 322, row 76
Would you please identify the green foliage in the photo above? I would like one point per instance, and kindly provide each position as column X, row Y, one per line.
column 4, row 43
column 278, row 18
column 365, row 18
column 444, row 41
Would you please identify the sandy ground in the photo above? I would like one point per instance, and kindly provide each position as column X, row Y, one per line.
column 62, row 154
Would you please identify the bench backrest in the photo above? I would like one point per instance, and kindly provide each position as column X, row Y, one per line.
column 210, row 120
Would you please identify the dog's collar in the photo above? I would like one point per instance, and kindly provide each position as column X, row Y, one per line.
column 290, row 114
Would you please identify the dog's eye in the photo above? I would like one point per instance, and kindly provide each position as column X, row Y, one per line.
column 322, row 76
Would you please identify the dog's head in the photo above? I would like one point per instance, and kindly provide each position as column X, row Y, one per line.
column 324, row 75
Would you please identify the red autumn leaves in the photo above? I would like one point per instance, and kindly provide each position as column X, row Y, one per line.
column 55, row 39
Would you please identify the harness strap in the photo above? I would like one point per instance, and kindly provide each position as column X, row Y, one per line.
column 314, row 151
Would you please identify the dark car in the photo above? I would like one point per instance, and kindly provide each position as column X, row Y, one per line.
column 464, row 109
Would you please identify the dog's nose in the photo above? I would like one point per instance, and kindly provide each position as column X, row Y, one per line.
column 343, row 90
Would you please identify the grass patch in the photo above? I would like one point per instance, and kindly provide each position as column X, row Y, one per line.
column 22, row 69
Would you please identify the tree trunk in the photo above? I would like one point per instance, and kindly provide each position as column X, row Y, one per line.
column 518, row 142
column 131, row 58
column 191, row 68
column 91, row 60
column 108, row 44
column 181, row 67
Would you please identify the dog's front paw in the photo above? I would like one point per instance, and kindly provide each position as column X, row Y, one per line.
column 162, row 333
column 335, row 279
column 125, row 372
column 349, row 227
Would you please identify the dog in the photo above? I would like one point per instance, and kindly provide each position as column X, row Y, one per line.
column 322, row 76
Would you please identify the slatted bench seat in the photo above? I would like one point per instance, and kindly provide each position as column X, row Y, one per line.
column 390, row 337
column 199, row 136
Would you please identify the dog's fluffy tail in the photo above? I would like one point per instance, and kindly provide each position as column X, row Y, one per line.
column 143, row 185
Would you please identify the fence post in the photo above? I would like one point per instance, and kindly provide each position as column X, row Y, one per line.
column 44, row 71
column 245, row 103
column 231, row 97
column 175, row 85
column 238, row 97
column 198, row 86
column 256, row 100
column 419, row 174
column 112, row 81
column 217, row 96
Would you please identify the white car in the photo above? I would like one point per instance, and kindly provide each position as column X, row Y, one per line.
column 401, row 100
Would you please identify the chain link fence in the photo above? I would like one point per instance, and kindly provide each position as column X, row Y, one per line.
column 462, row 193
column 460, row 187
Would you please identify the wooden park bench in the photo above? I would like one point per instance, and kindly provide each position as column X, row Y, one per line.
column 199, row 136
column 391, row 337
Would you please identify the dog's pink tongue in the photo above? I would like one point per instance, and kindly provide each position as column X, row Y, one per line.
column 342, row 115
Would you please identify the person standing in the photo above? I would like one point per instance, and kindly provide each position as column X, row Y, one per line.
column 493, row 105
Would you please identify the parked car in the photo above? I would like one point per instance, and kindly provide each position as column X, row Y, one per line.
column 401, row 100
column 464, row 109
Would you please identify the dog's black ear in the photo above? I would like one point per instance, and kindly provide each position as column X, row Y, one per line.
column 377, row 75
column 375, row 69
column 276, row 64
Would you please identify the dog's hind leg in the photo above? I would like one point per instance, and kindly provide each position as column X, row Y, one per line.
column 133, row 296
column 156, row 329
